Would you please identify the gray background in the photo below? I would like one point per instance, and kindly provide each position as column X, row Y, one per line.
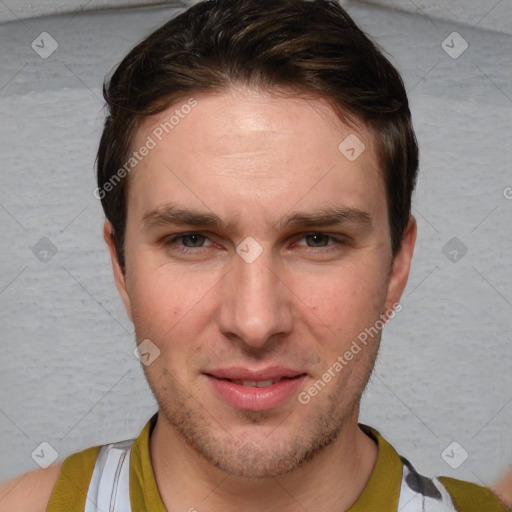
column 67, row 372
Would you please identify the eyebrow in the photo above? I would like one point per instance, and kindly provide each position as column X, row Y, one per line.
column 171, row 214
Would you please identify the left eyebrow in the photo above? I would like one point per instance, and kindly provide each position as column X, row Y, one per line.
column 328, row 217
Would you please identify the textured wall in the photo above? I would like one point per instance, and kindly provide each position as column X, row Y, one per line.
column 67, row 372
column 12, row 10
column 495, row 15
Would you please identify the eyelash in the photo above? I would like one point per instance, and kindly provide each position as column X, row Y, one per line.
column 170, row 241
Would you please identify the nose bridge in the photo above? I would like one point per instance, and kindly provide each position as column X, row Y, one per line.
column 254, row 306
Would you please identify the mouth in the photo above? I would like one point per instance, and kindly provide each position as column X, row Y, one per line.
column 258, row 383
column 265, row 390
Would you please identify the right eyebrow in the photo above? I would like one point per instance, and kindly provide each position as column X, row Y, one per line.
column 171, row 214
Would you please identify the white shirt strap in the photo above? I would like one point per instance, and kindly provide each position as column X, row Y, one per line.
column 109, row 489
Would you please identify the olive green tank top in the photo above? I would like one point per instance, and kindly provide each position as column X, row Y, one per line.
column 119, row 477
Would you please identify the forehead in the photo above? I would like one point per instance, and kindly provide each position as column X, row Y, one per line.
column 244, row 146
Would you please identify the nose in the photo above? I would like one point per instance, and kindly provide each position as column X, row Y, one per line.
column 256, row 303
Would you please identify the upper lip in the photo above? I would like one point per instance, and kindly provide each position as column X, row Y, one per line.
column 241, row 373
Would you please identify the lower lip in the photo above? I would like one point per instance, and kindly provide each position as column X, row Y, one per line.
column 251, row 398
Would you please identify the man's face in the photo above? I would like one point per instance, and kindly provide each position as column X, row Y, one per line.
column 254, row 161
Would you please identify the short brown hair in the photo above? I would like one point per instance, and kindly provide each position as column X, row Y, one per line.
column 311, row 47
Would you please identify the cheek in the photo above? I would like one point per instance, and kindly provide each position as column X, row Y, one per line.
column 170, row 305
column 347, row 299
column 158, row 301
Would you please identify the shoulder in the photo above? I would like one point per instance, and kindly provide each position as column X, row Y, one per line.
column 444, row 493
column 469, row 497
column 29, row 492
column 42, row 490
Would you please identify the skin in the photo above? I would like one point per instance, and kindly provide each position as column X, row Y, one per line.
column 503, row 487
column 253, row 159
column 31, row 491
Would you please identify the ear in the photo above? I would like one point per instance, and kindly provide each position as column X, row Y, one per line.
column 119, row 275
column 401, row 265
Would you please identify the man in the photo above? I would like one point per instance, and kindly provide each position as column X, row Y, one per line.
column 256, row 171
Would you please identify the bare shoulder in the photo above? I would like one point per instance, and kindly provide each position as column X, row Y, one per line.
column 30, row 491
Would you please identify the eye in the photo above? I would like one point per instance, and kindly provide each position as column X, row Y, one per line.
column 320, row 240
column 194, row 237
column 196, row 242
column 317, row 238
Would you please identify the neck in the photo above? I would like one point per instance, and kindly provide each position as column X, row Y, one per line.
column 331, row 481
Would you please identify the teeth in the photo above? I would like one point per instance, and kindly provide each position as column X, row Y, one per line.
column 264, row 383
column 257, row 384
